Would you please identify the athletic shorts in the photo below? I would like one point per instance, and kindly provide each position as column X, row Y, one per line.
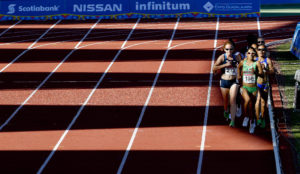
column 227, row 83
column 250, row 89
column 261, row 88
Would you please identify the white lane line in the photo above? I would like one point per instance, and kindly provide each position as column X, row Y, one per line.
column 274, row 135
column 44, row 34
column 146, row 103
column 208, row 101
column 10, row 27
column 29, row 48
column 27, row 40
column 142, row 43
column 43, row 82
column 85, row 102
column 272, row 124
column 143, row 37
column 258, row 27
column 99, row 37
column 29, row 33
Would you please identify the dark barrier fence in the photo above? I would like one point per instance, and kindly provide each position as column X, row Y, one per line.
column 125, row 9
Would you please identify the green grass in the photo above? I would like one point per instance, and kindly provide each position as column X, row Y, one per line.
column 288, row 66
column 280, row 10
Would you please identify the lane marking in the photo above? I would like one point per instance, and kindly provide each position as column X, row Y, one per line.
column 30, row 34
column 146, row 103
column 208, row 101
column 26, row 40
column 41, row 84
column 29, row 48
column 258, row 27
column 85, row 102
column 274, row 136
column 272, row 124
column 77, row 32
column 185, row 37
column 10, row 27
column 101, row 42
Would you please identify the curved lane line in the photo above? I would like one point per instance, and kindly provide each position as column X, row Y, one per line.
column 10, row 27
column 29, row 48
column 43, row 82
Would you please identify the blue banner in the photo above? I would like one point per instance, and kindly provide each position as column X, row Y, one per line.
column 229, row 7
column 295, row 46
column 121, row 9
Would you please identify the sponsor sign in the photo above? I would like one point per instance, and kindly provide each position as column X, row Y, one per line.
column 226, row 7
column 96, row 7
column 163, row 6
column 31, row 7
column 295, row 46
column 123, row 9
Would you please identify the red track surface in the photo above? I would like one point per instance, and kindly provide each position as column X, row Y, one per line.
column 170, row 134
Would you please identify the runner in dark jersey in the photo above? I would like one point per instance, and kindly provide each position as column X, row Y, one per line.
column 227, row 63
column 263, row 85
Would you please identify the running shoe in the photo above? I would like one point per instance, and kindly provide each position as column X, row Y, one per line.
column 238, row 111
column 252, row 126
column 245, row 122
column 259, row 122
column 231, row 124
column 226, row 115
column 263, row 123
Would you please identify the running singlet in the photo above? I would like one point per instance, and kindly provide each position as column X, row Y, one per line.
column 248, row 76
column 264, row 63
column 231, row 70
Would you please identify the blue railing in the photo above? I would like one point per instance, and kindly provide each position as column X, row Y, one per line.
column 295, row 46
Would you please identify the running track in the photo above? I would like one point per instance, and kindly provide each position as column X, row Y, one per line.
column 124, row 97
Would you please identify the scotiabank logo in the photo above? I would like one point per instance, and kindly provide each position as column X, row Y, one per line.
column 11, row 9
column 33, row 8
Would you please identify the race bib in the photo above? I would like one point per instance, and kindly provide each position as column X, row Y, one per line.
column 249, row 78
column 231, row 71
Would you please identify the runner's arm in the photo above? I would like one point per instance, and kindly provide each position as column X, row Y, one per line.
column 218, row 65
column 271, row 67
column 260, row 70
column 239, row 70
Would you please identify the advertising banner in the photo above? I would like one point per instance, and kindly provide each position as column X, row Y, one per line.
column 31, row 8
column 295, row 46
column 96, row 7
column 123, row 9
column 229, row 7
column 163, row 8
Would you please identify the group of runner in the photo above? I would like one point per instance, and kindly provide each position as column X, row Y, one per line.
column 245, row 76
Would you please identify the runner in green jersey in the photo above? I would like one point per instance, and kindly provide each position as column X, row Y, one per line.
column 248, row 70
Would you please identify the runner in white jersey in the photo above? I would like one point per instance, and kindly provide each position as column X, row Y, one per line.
column 227, row 63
